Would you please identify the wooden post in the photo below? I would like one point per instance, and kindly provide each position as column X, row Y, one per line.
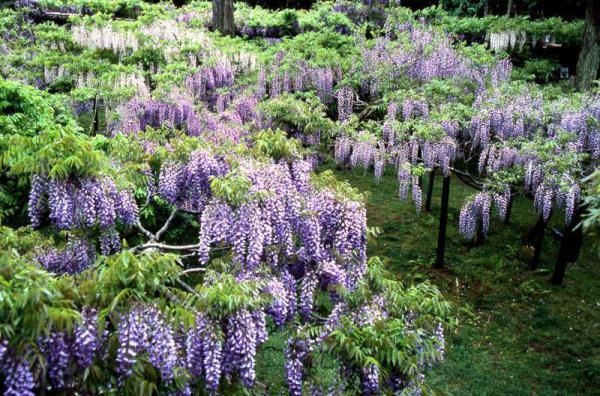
column 508, row 209
column 96, row 116
column 480, row 236
column 576, row 245
column 563, row 254
column 577, row 241
column 538, row 238
column 567, row 246
column 93, row 126
column 441, row 245
column 429, row 190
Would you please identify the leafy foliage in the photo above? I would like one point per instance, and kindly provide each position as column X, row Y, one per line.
column 182, row 210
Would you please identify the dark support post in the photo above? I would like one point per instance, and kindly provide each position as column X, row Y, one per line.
column 561, row 261
column 576, row 245
column 508, row 209
column 577, row 240
column 538, row 241
column 93, row 125
column 441, row 245
column 96, row 116
column 429, row 191
column 567, row 246
column 480, row 236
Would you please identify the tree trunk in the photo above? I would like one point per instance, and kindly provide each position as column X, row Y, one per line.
column 509, row 7
column 537, row 234
column 486, row 7
column 223, row 16
column 441, row 245
column 429, row 190
column 589, row 56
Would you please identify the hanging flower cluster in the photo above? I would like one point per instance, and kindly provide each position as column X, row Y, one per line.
column 299, row 77
column 106, row 37
column 209, row 79
column 289, row 221
column 188, row 185
column 345, row 101
column 475, row 212
column 136, row 115
column 505, row 116
column 80, row 203
column 67, row 356
column 144, row 330
column 78, row 255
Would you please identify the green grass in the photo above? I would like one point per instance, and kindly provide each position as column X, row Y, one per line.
column 517, row 334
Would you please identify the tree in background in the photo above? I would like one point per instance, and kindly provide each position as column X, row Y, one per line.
column 567, row 9
column 589, row 56
column 223, row 16
column 461, row 7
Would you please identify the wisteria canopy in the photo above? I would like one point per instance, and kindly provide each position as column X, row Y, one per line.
column 168, row 204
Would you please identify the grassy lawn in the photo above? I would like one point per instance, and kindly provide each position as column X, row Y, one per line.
column 517, row 334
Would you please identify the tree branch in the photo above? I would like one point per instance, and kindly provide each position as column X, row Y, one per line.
column 145, row 231
column 468, row 179
column 156, row 245
column 166, row 225
column 187, row 287
column 148, row 198
column 172, row 296
column 193, row 270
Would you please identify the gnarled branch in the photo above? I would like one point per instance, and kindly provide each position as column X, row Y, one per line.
column 166, row 225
